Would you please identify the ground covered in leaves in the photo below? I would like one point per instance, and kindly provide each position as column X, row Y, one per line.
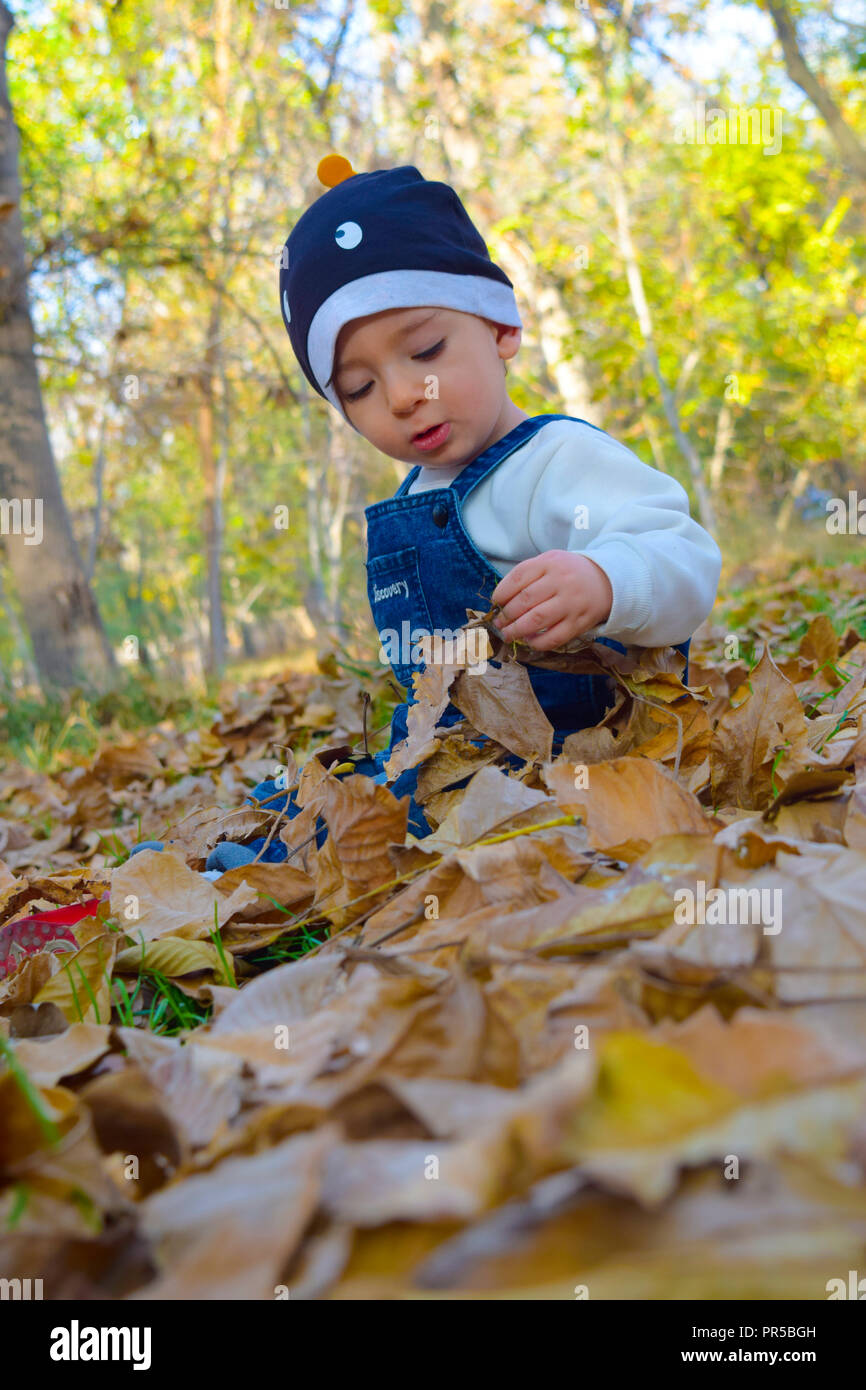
column 603, row 1033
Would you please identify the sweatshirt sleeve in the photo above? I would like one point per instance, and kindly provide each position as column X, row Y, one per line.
column 597, row 498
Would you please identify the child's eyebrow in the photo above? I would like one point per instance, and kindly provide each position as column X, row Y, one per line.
column 395, row 337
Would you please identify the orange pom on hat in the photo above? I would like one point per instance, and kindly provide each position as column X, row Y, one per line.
column 333, row 169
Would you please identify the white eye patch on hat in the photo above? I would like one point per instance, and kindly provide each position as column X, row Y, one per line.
column 348, row 235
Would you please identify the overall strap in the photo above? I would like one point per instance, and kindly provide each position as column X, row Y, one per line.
column 407, row 481
column 477, row 470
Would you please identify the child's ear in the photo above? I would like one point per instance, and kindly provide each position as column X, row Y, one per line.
column 507, row 340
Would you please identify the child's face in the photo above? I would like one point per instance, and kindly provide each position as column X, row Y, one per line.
column 401, row 371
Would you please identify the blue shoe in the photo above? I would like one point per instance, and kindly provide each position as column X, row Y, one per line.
column 277, row 851
column 267, row 792
column 217, row 872
column 228, row 855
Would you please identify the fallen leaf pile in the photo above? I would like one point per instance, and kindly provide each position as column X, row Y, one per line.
column 601, row 1034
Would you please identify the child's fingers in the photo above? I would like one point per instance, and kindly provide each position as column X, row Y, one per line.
column 542, row 616
column 517, row 579
column 540, row 590
column 555, row 636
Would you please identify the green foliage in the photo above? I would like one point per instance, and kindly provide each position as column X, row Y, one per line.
column 47, row 735
column 170, row 1011
column 155, row 203
column 48, row 1127
column 289, row 947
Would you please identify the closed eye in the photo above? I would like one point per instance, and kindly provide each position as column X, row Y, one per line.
column 426, row 356
column 430, row 352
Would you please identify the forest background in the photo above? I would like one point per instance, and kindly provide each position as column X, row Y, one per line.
column 677, row 191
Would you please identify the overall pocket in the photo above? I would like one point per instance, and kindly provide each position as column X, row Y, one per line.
column 399, row 608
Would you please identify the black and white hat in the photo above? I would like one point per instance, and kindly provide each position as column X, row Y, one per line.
column 390, row 239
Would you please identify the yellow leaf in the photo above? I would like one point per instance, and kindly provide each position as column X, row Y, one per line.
column 81, row 989
column 173, row 956
column 647, row 1093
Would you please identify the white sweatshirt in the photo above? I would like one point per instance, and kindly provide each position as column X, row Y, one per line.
column 572, row 487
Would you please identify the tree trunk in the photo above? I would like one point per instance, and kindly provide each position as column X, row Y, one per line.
column 655, row 442
column 850, row 147
column 31, row 675
column 69, row 644
column 796, row 489
column 645, row 323
column 99, row 465
column 98, row 483
column 213, row 423
column 314, row 598
column 724, row 438
column 563, row 366
column 340, row 477
column 462, row 145
column 212, row 479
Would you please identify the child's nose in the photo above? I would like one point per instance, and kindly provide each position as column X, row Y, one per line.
column 403, row 391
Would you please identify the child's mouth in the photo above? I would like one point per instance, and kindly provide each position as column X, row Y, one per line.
column 432, row 438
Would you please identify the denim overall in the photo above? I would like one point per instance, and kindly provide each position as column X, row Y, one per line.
column 423, row 572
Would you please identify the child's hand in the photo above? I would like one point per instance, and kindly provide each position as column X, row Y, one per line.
column 559, row 593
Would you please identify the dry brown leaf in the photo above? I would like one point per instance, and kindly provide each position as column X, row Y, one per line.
column 854, row 825
column 490, row 802
column 364, row 819
column 627, row 803
column 48, row 1060
column 748, row 739
column 154, row 894
column 81, row 986
column 230, row 1233
column 501, row 703
column 430, row 696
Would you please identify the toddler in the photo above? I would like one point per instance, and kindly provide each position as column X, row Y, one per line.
column 399, row 318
